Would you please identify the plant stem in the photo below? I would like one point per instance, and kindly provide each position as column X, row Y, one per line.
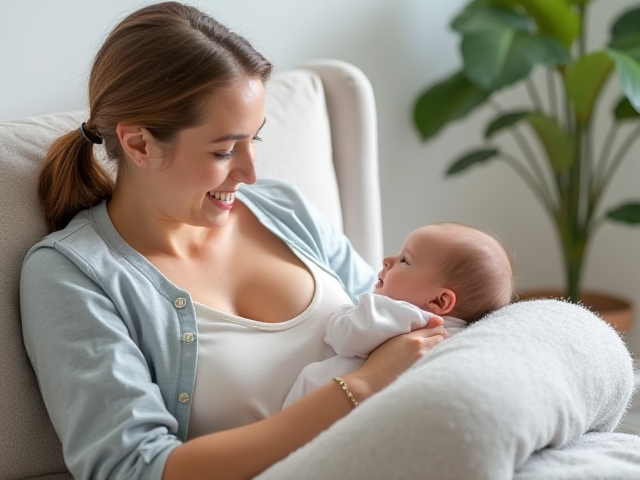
column 618, row 157
column 582, row 39
column 527, row 151
column 553, row 100
column 573, row 236
column 599, row 183
column 574, row 274
column 533, row 93
column 587, row 171
column 603, row 180
column 595, row 224
column 530, row 180
column 522, row 142
column 605, row 153
column 563, row 178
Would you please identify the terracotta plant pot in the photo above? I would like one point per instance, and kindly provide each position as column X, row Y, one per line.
column 614, row 310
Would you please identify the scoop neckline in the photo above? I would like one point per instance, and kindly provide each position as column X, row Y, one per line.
column 219, row 315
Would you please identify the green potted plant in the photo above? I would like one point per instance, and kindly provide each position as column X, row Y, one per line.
column 504, row 42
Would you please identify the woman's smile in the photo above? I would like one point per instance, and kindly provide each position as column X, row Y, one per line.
column 223, row 200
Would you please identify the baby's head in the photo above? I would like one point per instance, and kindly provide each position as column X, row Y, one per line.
column 449, row 269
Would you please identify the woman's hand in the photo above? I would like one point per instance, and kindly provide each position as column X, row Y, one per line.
column 393, row 357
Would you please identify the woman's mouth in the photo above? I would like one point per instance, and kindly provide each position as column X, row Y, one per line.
column 222, row 199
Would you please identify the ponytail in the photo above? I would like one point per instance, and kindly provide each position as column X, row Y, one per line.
column 71, row 180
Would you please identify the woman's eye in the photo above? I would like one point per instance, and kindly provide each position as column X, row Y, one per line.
column 224, row 156
column 229, row 155
column 404, row 260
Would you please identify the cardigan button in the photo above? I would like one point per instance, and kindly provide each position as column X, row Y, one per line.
column 180, row 302
column 184, row 397
column 188, row 337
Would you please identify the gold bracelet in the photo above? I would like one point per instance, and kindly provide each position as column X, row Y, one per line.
column 344, row 387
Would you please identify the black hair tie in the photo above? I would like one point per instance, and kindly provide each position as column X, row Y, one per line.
column 89, row 136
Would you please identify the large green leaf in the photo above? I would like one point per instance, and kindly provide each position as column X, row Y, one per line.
column 504, row 121
column 448, row 100
column 585, row 80
column 629, row 213
column 628, row 44
column 557, row 144
column 554, row 18
column 628, row 69
column 483, row 18
column 479, row 4
column 469, row 159
column 502, row 56
column 627, row 23
column 625, row 111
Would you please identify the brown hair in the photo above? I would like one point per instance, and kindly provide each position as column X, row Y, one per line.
column 480, row 272
column 156, row 68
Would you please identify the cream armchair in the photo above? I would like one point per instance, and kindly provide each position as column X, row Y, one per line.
column 530, row 393
column 321, row 134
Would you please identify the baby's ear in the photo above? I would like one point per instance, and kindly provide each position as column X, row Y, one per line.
column 443, row 303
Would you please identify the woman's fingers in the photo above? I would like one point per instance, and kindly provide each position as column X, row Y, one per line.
column 396, row 355
column 425, row 339
column 431, row 342
column 430, row 332
column 434, row 321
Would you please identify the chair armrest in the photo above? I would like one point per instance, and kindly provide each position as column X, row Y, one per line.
column 353, row 119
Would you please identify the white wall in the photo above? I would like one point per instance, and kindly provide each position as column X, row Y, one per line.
column 402, row 45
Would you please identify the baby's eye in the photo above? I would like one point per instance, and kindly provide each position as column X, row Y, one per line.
column 257, row 139
column 404, row 260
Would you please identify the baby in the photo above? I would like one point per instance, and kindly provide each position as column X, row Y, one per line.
column 455, row 271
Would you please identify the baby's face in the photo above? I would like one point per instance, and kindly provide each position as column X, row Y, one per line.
column 412, row 275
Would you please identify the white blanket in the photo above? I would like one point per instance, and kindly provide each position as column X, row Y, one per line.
column 532, row 377
column 595, row 455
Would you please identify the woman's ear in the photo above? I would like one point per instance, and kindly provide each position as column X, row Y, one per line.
column 139, row 145
column 443, row 303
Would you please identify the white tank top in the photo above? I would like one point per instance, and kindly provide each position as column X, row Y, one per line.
column 246, row 368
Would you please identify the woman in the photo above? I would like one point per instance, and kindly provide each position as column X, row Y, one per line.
column 170, row 312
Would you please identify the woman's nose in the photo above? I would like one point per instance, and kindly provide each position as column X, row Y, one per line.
column 246, row 167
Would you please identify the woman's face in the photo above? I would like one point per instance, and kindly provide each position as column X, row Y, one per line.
column 196, row 185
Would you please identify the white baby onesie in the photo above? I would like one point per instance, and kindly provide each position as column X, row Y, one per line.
column 355, row 331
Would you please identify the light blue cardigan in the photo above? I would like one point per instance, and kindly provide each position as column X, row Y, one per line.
column 114, row 343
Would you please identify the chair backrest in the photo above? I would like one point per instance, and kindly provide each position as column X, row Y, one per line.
column 320, row 134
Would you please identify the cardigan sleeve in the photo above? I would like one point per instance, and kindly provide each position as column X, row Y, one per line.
column 96, row 384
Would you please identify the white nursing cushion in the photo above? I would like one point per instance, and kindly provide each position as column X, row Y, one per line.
column 296, row 147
